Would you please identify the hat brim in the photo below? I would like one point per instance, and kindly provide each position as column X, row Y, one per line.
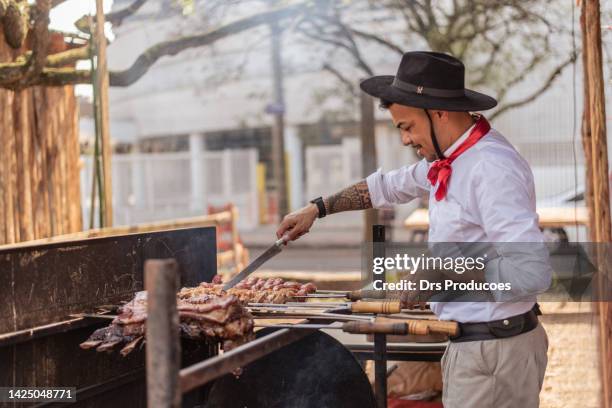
column 380, row 87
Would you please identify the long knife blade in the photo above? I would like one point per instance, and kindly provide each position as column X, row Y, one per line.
column 275, row 249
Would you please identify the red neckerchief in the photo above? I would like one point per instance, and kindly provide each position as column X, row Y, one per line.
column 441, row 170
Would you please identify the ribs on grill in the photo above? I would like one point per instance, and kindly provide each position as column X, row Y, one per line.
column 205, row 312
column 220, row 318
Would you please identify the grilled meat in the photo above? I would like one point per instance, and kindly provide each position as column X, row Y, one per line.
column 221, row 318
column 205, row 312
column 255, row 290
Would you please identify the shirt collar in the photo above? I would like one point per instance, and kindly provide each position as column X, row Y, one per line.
column 458, row 142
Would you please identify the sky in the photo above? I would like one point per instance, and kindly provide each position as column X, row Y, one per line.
column 63, row 17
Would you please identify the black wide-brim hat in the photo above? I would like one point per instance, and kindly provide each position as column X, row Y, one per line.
column 428, row 80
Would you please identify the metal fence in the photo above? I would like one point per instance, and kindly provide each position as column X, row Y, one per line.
column 151, row 187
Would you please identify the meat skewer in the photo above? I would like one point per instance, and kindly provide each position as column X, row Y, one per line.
column 256, row 290
column 205, row 312
column 221, row 318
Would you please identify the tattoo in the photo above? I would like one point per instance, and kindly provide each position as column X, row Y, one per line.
column 355, row 197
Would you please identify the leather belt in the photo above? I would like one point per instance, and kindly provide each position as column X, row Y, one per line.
column 498, row 329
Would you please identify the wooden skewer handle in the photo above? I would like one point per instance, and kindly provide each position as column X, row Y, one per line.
column 366, row 294
column 425, row 327
column 355, row 327
column 381, row 307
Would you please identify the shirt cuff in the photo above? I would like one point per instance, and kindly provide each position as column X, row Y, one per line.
column 375, row 188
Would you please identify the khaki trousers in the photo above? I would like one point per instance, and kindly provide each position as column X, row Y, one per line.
column 499, row 373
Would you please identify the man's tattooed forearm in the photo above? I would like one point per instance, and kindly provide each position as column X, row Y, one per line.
column 355, row 197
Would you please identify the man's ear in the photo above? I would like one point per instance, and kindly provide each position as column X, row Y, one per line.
column 443, row 115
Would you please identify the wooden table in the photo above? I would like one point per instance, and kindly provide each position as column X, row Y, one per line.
column 551, row 217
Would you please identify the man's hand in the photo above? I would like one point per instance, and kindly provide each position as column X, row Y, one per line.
column 298, row 223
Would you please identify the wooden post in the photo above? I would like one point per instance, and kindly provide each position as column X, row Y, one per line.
column 368, row 156
column 586, row 133
column 593, row 76
column 102, row 89
column 278, row 128
column 597, row 114
column 163, row 353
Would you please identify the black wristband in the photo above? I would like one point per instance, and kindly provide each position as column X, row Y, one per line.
column 320, row 205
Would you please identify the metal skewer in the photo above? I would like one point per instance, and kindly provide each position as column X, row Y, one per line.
column 304, row 305
column 321, row 316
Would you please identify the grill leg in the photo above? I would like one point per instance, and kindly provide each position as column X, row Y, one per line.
column 163, row 353
column 380, row 340
column 380, row 370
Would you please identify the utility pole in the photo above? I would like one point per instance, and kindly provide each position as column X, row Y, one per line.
column 368, row 157
column 277, row 109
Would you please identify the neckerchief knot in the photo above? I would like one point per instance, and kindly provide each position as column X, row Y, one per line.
column 441, row 170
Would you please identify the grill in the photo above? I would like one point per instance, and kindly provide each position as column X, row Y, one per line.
column 45, row 285
column 53, row 283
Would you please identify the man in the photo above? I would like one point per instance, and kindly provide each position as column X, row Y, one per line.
column 500, row 357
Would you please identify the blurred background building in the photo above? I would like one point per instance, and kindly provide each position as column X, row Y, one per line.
column 196, row 129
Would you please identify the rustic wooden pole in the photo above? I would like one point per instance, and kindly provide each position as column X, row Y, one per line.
column 368, row 156
column 3, row 175
column 278, row 128
column 591, row 31
column 102, row 89
column 74, row 162
column 11, row 176
column 163, row 353
column 23, row 128
column 597, row 110
column 586, row 132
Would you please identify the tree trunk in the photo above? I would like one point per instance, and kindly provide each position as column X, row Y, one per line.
column 39, row 160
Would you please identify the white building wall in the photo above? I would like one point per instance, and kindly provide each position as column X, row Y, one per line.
column 199, row 90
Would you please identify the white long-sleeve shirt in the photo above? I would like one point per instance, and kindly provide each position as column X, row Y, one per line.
column 490, row 198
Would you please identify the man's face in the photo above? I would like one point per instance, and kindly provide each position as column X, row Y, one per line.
column 414, row 129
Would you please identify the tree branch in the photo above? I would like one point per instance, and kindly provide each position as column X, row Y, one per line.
column 550, row 80
column 63, row 76
column 68, row 57
column 117, row 17
column 345, row 81
column 151, row 55
column 375, row 38
column 48, row 77
column 335, row 39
